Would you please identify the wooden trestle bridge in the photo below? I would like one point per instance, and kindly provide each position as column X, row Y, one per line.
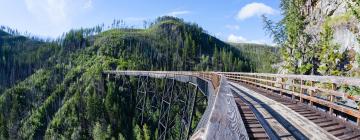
column 260, row 106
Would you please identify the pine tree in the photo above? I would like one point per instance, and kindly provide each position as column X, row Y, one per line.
column 215, row 59
column 108, row 132
column 187, row 52
column 289, row 34
column 137, row 133
column 93, row 106
column 121, row 137
column 224, row 65
column 3, row 129
column 98, row 133
column 156, row 134
column 147, row 132
column 329, row 54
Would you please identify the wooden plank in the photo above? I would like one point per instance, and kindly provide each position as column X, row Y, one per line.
column 275, row 125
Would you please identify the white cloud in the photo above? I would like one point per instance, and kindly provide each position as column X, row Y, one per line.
column 219, row 34
column 232, row 27
column 88, row 4
column 177, row 13
column 52, row 10
column 254, row 9
column 56, row 13
column 239, row 39
column 236, row 39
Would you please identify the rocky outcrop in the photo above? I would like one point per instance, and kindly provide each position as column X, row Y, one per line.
column 337, row 14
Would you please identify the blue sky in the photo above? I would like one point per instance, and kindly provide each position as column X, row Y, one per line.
column 229, row 20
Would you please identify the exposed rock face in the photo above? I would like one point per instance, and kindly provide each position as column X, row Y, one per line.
column 338, row 14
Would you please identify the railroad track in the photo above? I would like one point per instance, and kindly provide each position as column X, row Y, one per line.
column 259, row 122
column 253, row 127
column 335, row 126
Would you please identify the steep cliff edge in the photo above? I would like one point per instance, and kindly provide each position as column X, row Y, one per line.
column 339, row 16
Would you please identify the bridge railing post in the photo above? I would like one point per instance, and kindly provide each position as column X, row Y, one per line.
column 293, row 89
column 248, row 79
column 267, row 82
column 358, row 119
column 281, row 86
column 332, row 98
column 301, row 90
column 252, row 79
column 311, row 93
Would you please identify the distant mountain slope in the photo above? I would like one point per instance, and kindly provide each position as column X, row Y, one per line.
column 20, row 57
column 3, row 33
column 262, row 58
column 64, row 95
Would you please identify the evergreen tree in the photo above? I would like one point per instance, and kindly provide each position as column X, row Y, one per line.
column 121, row 137
column 215, row 59
column 289, row 33
column 98, row 133
column 156, row 134
column 329, row 54
column 146, row 132
column 93, row 107
column 137, row 133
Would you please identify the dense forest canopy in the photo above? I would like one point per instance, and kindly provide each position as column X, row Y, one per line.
column 55, row 89
column 262, row 58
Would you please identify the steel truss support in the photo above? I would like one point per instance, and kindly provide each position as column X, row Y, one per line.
column 165, row 108
column 184, row 101
column 146, row 88
column 176, row 103
column 188, row 110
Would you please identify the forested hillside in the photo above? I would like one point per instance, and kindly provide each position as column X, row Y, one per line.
column 20, row 57
column 262, row 58
column 55, row 89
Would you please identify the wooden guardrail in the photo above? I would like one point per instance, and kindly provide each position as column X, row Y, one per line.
column 212, row 77
column 322, row 90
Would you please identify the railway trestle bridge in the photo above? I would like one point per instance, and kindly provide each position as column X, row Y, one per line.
column 248, row 105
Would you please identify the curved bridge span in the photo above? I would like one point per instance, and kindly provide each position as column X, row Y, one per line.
column 264, row 106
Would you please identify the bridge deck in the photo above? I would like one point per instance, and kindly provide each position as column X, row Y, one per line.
column 297, row 121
